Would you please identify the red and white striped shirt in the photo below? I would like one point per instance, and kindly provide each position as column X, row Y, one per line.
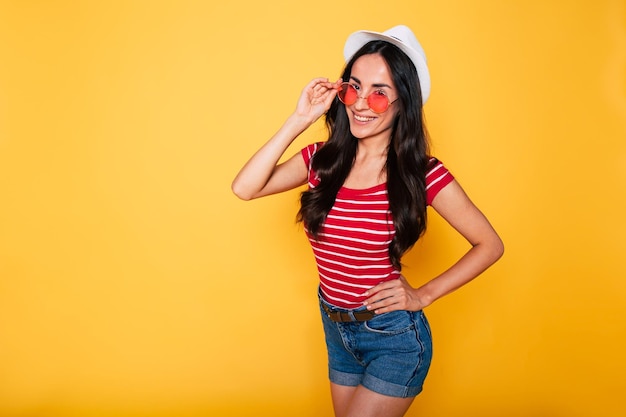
column 352, row 252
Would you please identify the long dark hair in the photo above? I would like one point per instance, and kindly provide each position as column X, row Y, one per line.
column 407, row 156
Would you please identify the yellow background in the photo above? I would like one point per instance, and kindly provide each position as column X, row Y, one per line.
column 133, row 283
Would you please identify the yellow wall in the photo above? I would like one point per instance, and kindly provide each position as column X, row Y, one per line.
column 133, row 283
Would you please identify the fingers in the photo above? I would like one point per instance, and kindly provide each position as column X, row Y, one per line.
column 336, row 85
column 323, row 88
column 316, row 98
column 319, row 90
column 318, row 84
column 323, row 85
column 391, row 295
column 382, row 296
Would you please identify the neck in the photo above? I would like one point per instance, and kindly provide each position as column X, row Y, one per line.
column 372, row 149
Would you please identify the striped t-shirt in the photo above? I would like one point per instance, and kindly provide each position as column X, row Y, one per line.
column 352, row 252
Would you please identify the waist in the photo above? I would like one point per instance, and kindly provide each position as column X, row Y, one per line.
column 340, row 316
column 348, row 294
column 343, row 315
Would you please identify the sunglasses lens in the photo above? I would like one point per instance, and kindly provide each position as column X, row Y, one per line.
column 348, row 94
column 378, row 102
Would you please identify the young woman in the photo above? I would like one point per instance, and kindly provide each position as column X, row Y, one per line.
column 368, row 189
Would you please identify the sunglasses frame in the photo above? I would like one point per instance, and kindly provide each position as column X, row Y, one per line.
column 348, row 85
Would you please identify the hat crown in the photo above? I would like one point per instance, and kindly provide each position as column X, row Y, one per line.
column 402, row 37
column 405, row 35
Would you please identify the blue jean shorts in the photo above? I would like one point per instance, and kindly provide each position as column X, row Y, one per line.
column 389, row 354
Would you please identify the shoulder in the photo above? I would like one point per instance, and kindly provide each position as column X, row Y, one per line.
column 436, row 170
column 309, row 151
column 437, row 177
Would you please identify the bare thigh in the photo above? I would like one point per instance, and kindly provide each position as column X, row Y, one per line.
column 361, row 402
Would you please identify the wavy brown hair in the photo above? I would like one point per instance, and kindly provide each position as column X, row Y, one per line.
column 407, row 156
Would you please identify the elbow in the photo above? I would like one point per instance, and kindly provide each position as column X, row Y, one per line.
column 497, row 248
column 240, row 192
column 492, row 249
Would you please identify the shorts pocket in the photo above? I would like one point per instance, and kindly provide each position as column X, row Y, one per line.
column 394, row 322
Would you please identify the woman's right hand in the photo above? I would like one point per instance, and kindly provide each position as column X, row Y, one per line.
column 316, row 98
column 262, row 174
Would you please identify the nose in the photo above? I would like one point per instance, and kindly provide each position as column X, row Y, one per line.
column 361, row 103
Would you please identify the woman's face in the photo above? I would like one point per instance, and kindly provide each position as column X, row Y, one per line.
column 370, row 73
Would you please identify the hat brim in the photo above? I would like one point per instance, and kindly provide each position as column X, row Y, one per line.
column 358, row 39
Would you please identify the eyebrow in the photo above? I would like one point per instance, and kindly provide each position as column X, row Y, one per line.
column 378, row 85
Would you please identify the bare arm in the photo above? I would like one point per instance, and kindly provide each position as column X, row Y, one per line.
column 261, row 175
column 457, row 209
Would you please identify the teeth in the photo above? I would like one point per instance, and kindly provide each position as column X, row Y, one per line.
column 363, row 119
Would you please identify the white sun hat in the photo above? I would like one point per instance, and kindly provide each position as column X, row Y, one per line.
column 400, row 36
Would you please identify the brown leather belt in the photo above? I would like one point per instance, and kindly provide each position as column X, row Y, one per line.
column 344, row 317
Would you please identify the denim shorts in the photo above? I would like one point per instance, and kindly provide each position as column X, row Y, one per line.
column 389, row 354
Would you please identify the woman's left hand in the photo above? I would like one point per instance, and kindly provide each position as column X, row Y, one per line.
column 393, row 295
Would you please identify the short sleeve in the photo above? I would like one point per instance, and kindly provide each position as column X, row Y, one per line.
column 437, row 178
column 307, row 155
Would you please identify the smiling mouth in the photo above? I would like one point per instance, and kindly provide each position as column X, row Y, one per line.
column 363, row 118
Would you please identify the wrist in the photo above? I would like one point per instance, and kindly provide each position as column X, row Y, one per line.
column 303, row 120
column 294, row 126
column 424, row 296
